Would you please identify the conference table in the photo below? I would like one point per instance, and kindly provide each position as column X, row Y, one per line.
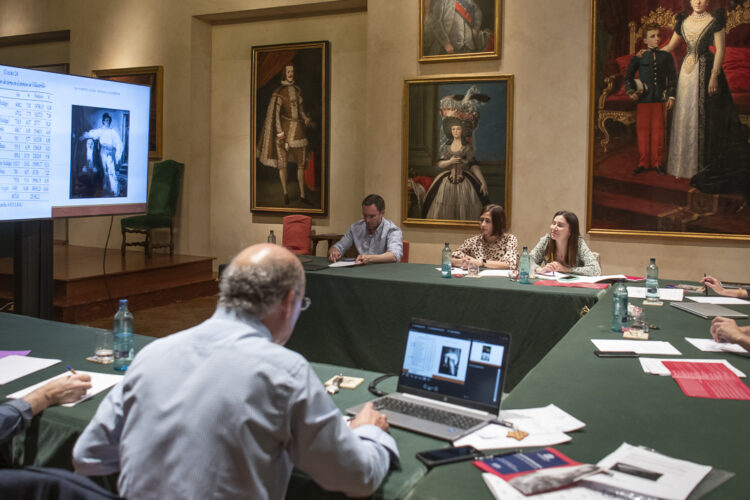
column 360, row 315
column 614, row 397
column 620, row 403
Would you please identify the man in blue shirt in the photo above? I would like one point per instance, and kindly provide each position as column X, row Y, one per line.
column 376, row 239
column 223, row 410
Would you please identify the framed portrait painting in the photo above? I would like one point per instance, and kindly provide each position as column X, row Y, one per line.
column 289, row 128
column 451, row 30
column 152, row 77
column 669, row 137
column 457, row 148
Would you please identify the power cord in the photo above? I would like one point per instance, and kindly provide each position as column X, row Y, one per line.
column 373, row 387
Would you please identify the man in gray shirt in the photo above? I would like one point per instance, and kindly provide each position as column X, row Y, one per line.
column 376, row 239
column 223, row 410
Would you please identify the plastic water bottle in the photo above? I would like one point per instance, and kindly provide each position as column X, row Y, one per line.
column 271, row 237
column 123, row 345
column 619, row 307
column 446, row 265
column 652, row 282
column 524, row 267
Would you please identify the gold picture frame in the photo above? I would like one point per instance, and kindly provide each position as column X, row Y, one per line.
column 457, row 30
column 289, row 125
column 625, row 197
column 482, row 108
column 152, row 77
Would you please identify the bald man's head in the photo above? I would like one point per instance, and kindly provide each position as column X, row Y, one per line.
column 259, row 277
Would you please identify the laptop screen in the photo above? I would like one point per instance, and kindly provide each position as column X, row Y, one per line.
column 459, row 365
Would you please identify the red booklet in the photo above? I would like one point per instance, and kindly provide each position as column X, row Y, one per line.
column 707, row 380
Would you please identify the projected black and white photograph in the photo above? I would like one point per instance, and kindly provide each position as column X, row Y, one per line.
column 99, row 152
column 449, row 358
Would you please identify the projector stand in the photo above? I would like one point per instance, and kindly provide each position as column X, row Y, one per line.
column 32, row 268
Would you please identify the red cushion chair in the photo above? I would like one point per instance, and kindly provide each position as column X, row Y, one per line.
column 296, row 234
column 405, row 254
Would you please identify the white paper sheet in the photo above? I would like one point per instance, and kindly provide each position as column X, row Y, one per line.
column 500, row 489
column 503, row 273
column 542, row 420
column 678, row 477
column 495, row 437
column 342, row 263
column 597, row 279
column 455, row 270
column 670, row 294
column 99, row 382
column 710, row 345
column 14, row 367
column 720, row 300
column 654, row 366
column 659, row 347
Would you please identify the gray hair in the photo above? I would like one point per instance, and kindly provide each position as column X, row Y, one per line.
column 255, row 289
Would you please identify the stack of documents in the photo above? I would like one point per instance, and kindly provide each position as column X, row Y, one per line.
column 546, row 426
column 708, row 380
column 647, row 473
column 671, row 294
column 655, row 366
column 709, row 345
column 720, row 300
column 658, row 347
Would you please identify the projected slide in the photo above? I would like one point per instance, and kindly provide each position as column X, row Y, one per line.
column 71, row 145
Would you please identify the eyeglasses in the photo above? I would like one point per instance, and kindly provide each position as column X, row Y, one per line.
column 305, row 304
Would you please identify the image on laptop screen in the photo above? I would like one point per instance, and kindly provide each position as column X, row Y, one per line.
column 458, row 365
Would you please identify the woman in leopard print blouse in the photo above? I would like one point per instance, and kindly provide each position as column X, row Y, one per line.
column 492, row 248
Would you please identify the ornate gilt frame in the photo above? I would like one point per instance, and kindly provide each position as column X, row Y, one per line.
column 421, row 137
column 698, row 204
column 424, row 5
column 309, row 58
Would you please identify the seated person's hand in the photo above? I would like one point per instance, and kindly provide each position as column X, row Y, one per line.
column 714, row 285
column 362, row 259
column 67, row 389
column 725, row 330
column 465, row 262
column 369, row 416
column 334, row 255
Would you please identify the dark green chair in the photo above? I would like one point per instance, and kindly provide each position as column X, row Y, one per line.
column 163, row 195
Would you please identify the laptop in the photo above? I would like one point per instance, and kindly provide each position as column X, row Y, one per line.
column 708, row 310
column 451, row 380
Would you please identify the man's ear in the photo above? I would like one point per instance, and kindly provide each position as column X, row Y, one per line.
column 287, row 303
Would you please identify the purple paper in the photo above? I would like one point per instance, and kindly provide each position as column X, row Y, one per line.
column 13, row 353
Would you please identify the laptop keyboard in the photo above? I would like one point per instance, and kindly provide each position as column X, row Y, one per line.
column 427, row 413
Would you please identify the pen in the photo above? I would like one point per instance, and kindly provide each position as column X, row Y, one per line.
column 67, row 367
column 705, row 287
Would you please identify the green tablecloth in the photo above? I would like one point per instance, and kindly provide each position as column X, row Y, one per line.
column 50, row 438
column 620, row 403
column 359, row 315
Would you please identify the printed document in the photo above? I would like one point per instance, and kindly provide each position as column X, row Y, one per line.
column 720, row 300
column 710, row 345
column 649, row 473
column 13, row 367
column 670, row 294
column 655, row 366
column 659, row 347
column 99, row 382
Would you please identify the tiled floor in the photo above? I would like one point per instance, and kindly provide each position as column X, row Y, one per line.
column 163, row 320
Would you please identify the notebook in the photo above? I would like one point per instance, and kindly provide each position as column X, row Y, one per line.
column 451, row 380
column 708, row 310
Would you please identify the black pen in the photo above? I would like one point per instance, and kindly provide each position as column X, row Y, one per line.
column 705, row 286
